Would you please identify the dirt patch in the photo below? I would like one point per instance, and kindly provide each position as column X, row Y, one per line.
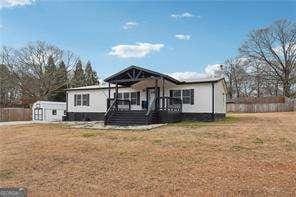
column 99, row 125
column 246, row 155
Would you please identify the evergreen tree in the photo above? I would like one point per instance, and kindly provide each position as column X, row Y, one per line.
column 78, row 79
column 91, row 77
column 50, row 67
column 49, row 77
column 62, row 79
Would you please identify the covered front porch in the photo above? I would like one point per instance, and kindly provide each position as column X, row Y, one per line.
column 148, row 97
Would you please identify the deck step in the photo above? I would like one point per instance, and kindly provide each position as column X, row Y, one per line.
column 131, row 118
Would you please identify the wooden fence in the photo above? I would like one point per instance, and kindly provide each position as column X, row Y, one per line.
column 15, row 114
column 261, row 107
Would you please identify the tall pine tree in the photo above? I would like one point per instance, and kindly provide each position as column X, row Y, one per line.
column 78, row 79
column 49, row 77
column 91, row 77
column 62, row 79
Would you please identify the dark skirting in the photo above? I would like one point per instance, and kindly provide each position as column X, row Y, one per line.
column 85, row 116
column 163, row 116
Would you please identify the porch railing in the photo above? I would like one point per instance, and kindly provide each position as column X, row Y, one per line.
column 170, row 104
column 116, row 105
column 120, row 104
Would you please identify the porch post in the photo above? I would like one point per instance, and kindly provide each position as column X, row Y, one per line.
column 109, row 91
column 156, row 93
column 163, row 101
column 109, row 95
column 116, row 95
column 116, row 91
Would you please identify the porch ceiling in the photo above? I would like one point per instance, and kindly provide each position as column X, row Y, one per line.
column 151, row 83
column 135, row 74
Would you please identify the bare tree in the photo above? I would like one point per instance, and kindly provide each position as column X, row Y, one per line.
column 30, row 67
column 8, row 87
column 275, row 47
column 235, row 75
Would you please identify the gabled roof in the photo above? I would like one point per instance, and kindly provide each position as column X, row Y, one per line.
column 94, row 87
column 134, row 74
column 204, row 80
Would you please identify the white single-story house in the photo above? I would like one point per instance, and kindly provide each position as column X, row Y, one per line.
column 48, row 111
column 137, row 95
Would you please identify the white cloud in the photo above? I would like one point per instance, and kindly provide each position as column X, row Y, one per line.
column 137, row 50
column 14, row 3
column 182, row 37
column 212, row 69
column 183, row 15
column 130, row 25
column 188, row 76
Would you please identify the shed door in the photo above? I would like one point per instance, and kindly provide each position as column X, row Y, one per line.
column 38, row 114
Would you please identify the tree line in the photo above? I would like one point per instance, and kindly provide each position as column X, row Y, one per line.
column 40, row 71
column 265, row 64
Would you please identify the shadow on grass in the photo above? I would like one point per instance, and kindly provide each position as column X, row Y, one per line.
column 6, row 174
column 90, row 134
column 228, row 120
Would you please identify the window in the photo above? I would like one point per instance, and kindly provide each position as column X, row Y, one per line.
column 85, row 99
column 54, row 112
column 65, row 112
column 135, row 98
column 175, row 94
column 119, row 95
column 81, row 100
column 77, row 99
column 126, row 95
column 188, row 96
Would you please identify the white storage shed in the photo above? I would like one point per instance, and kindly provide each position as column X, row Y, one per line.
column 48, row 111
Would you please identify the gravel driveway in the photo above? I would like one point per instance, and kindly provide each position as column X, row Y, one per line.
column 11, row 123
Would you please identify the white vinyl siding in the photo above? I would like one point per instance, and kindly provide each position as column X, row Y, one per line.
column 220, row 98
column 201, row 102
column 202, row 99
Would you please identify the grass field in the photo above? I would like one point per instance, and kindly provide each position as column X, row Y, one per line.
column 247, row 154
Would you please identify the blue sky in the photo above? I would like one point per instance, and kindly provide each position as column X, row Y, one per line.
column 164, row 36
